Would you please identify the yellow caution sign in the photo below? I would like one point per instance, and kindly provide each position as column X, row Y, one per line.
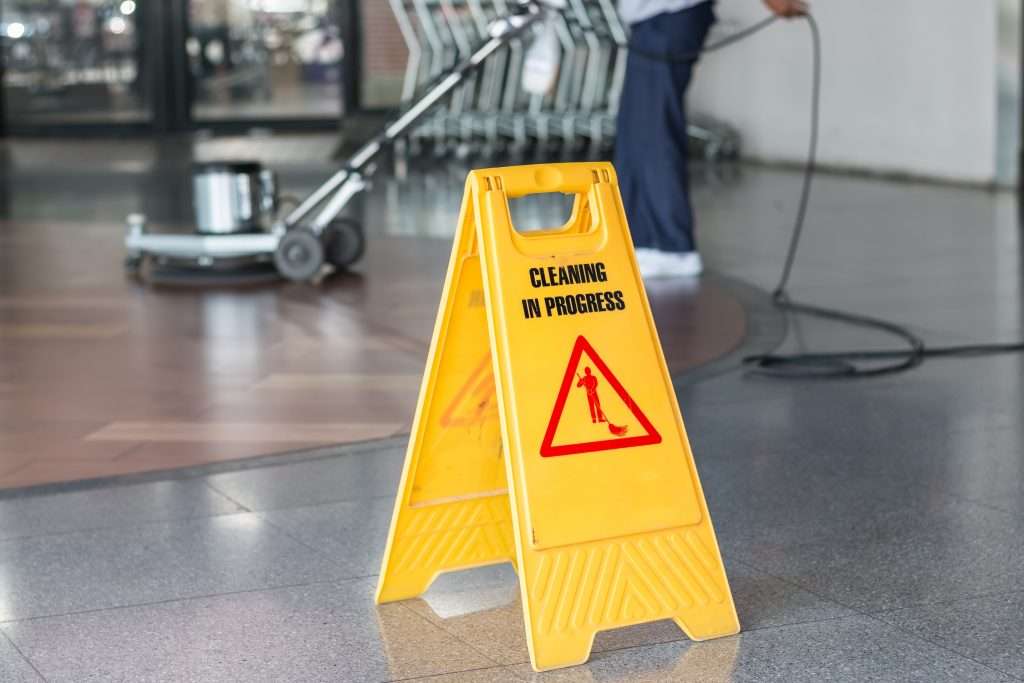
column 547, row 432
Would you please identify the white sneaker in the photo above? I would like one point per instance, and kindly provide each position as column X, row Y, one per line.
column 648, row 261
column 668, row 264
column 681, row 263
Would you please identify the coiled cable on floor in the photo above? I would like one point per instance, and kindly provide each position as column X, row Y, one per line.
column 852, row 363
column 855, row 363
column 841, row 363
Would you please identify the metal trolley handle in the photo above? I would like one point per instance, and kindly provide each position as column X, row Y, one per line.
column 300, row 246
column 336, row 192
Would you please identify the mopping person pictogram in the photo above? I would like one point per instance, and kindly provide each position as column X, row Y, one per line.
column 587, row 370
column 589, row 382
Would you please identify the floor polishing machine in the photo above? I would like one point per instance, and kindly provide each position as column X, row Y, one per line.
column 242, row 223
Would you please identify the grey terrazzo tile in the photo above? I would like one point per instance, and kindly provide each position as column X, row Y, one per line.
column 13, row 667
column 905, row 567
column 499, row 674
column 48, row 575
column 764, row 601
column 355, row 476
column 323, row 632
column 851, row 650
column 898, row 491
column 763, row 508
column 352, row 533
column 989, row 629
column 110, row 506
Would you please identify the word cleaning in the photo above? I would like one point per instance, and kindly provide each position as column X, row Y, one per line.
column 571, row 304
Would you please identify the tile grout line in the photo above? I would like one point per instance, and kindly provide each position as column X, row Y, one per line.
column 184, row 598
column 262, row 515
column 795, row 584
column 452, row 634
column 207, row 484
column 316, row 551
column 945, row 491
column 22, row 654
column 325, row 503
column 243, row 509
column 940, row 646
column 451, row 673
column 866, row 612
column 861, row 612
column 870, row 538
column 192, row 472
column 982, row 504
column 805, row 622
column 128, row 525
column 951, row 601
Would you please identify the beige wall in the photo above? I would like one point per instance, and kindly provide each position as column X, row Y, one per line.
column 910, row 86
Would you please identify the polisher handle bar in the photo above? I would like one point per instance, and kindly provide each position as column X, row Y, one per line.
column 351, row 179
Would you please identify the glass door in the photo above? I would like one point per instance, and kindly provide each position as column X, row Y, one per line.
column 265, row 61
column 75, row 62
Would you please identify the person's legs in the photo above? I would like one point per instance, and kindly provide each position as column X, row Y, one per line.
column 650, row 150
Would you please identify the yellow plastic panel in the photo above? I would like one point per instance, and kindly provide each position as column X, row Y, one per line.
column 605, row 514
column 452, row 509
column 611, row 484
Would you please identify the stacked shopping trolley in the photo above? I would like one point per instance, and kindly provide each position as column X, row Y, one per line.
column 492, row 112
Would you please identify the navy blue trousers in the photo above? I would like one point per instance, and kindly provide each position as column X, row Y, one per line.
column 650, row 147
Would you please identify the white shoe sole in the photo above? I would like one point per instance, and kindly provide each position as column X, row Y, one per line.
column 660, row 264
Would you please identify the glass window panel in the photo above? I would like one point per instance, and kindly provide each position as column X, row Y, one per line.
column 265, row 59
column 74, row 61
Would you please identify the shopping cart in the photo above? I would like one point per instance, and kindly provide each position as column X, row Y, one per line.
column 490, row 112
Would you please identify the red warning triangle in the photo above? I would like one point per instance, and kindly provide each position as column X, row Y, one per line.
column 651, row 435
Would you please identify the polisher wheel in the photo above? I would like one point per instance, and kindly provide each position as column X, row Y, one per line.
column 300, row 255
column 344, row 242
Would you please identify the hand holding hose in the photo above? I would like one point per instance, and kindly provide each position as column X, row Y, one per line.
column 787, row 8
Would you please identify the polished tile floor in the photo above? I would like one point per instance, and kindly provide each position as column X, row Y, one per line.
column 104, row 375
column 872, row 530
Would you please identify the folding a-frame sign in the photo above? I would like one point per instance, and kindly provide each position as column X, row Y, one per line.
column 547, row 432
